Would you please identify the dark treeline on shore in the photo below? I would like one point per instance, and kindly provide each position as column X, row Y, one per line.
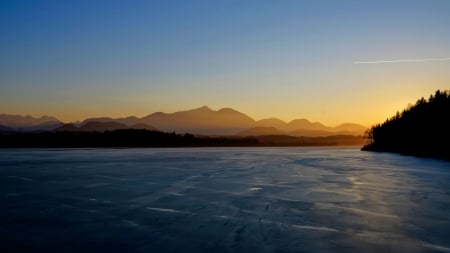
column 420, row 130
column 151, row 138
column 116, row 138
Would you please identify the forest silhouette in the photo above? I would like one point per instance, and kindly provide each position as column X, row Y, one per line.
column 422, row 129
column 153, row 138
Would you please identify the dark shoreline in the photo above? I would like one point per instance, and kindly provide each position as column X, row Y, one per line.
column 442, row 156
column 133, row 138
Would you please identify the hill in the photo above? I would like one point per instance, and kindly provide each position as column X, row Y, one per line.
column 66, row 128
column 256, row 131
column 142, row 126
column 420, row 130
column 202, row 120
column 319, row 133
column 91, row 126
column 19, row 121
column 128, row 121
column 101, row 126
column 28, row 123
column 272, row 122
column 304, row 127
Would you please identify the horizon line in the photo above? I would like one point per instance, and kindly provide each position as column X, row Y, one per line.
column 402, row 60
column 182, row 110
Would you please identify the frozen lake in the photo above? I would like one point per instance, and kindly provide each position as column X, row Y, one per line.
column 222, row 200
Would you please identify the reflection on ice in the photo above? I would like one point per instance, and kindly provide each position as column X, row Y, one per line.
column 357, row 210
column 437, row 247
column 167, row 210
column 316, row 228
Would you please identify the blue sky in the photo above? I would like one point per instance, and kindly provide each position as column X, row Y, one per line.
column 287, row 59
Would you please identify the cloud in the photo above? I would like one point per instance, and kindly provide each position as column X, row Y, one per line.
column 407, row 60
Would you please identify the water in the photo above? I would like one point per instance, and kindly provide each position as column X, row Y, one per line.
column 222, row 200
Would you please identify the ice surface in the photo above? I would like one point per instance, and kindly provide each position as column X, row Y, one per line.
column 222, row 200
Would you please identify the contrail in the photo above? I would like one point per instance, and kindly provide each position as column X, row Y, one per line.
column 408, row 60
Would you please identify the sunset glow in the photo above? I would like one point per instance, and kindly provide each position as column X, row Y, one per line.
column 298, row 59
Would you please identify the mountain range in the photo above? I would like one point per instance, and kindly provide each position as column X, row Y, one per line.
column 28, row 123
column 202, row 120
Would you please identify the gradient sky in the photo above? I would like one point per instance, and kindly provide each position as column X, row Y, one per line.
column 285, row 59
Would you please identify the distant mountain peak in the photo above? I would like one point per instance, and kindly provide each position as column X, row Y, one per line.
column 156, row 114
column 299, row 120
column 18, row 121
column 227, row 109
column 203, row 108
column 272, row 120
column 257, row 131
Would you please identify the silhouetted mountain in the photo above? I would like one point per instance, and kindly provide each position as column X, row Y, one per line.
column 291, row 126
column 142, row 126
column 202, row 120
column 102, row 126
column 91, row 126
column 28, row 123
column 351, row 127
column 256, row 131
column 129, row 121
column 24, row 121
column 317, row 133
column 420, row 130
column 47, row 126
column 305, row 125
column 66, row 128
column 288, row 140
column 272, row 122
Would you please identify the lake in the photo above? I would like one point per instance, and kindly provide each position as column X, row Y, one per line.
column 222, row 200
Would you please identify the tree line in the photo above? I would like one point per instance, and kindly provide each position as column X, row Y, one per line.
column 153, row 138
column 422, row 129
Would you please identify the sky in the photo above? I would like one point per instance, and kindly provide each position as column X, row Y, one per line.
column 327, row 61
